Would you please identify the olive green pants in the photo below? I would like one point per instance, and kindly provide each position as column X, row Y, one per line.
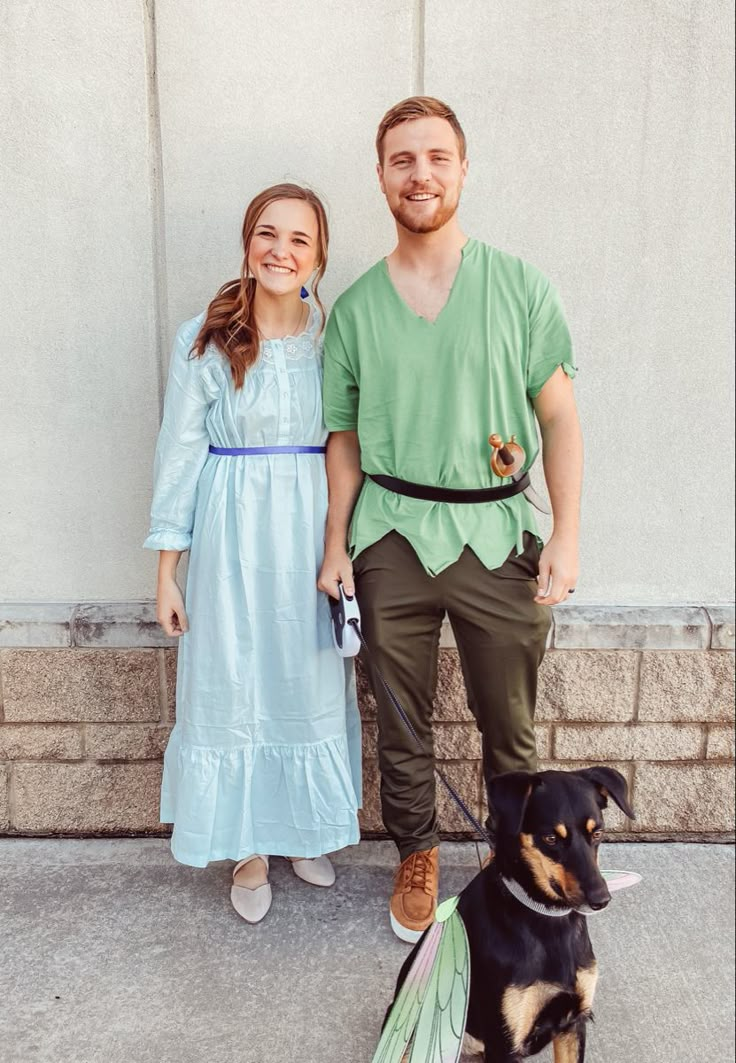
column 500, row 634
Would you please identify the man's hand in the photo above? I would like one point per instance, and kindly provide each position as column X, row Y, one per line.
column 558, row 570
column 336, row 568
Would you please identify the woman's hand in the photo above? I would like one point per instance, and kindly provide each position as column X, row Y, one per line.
column 170, row 611
column 336, row 568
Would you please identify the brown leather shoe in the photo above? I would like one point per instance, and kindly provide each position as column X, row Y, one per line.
column 414, row 900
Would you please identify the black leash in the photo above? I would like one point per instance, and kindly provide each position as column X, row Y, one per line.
column 408, row 724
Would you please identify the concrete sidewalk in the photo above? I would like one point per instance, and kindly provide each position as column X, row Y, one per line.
column 113, row 953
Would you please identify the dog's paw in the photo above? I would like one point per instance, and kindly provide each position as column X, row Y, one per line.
column 472, row 1047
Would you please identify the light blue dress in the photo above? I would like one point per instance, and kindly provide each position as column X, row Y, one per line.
column 265, row 753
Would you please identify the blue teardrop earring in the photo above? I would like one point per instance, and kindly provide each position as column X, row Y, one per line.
column 304, row 294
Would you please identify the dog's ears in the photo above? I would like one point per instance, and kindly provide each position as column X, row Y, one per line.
column 609, row 783
column 509, row 795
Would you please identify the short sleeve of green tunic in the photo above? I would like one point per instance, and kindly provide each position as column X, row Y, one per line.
column 424, row 397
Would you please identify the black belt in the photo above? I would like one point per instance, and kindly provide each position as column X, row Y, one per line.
column 451, row 494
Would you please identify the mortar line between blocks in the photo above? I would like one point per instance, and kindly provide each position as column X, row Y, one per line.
column 73, row 644
column 420, row 44
column 637, row 686
column 709, row 622
column 163, row 692
column 11, row 795
column 630, row 824
column 156, row 185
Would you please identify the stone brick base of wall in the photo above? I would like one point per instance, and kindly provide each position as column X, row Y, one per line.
column 87, row 701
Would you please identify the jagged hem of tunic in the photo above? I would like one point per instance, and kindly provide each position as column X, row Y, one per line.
column 276, row 800
column 358, row 544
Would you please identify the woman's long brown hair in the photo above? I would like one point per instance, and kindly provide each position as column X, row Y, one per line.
column 230, row 321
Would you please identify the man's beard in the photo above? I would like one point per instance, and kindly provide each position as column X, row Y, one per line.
column 413, row 224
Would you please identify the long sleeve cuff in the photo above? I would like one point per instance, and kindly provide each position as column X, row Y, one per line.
column 168, row 539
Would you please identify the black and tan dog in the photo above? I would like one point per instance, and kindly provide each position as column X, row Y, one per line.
column 532, row 969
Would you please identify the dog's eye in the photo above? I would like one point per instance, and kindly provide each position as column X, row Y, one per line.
column 549, row 839
column 597, row 835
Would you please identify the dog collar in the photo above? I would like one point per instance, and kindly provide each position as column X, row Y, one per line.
column 523, row 897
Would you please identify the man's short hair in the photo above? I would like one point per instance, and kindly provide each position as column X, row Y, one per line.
column 419, row 107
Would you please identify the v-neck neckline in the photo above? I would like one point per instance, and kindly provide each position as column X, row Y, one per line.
column 409, row 310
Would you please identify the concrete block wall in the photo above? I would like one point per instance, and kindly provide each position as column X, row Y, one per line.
column 88, row 701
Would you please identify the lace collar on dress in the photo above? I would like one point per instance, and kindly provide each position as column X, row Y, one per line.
column 295, row 347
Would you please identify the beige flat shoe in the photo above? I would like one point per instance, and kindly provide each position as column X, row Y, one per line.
column 317, row 872
column 252, row 902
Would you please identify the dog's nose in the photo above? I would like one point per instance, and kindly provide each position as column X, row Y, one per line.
column 598, row 897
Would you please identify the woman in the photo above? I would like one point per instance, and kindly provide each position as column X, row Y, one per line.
column 264, row 759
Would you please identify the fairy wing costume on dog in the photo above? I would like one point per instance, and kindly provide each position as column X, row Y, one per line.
column 429, row 1013
column 427, row 1020
column 620, row 880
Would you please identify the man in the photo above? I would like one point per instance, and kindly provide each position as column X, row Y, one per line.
column 432, row 350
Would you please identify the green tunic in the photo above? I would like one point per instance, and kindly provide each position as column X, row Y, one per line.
column 424, row 397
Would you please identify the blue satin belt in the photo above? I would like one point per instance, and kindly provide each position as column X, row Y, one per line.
column 236, row 451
